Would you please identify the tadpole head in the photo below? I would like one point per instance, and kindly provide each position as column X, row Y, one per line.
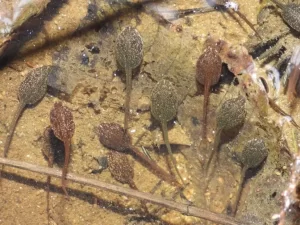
column 113, row 136
column 164, row 101
column 232, row 113
column 61, row 119
column 254, row 153
column 209, row 66
column 34, row 87
column 129, row 48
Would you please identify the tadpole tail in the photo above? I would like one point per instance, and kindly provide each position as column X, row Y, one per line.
column 205, row 106
column 166, row 138
column 12, row 128
column 214, row 151
column 128, row 72
column 67, row 144
column 239, row 192
column 161, row 173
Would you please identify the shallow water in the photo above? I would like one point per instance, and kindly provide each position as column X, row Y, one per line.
column 92, row 87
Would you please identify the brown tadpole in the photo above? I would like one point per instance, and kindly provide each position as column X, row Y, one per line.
column 164, row 106
column 129, row 55
column 232, row 114
column 121, row 168
column 63, row 126
column 208, row 73
column 253, row 154
column 31, row 91
column 114, row 137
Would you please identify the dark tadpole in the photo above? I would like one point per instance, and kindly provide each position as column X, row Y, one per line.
column 254, row 153
column 232, row 114
column 120, row 168
column 164, row 106
column 114, row 137
column 63, row 126
column 290, row 14
column 129, row 54
column 31, row 91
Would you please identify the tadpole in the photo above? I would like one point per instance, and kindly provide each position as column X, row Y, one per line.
column 290, row 14
column 31, row 90
column 231, row 114
column 164, row 106
column 63, row 126
column 120, row 168
column 208, row 72
column 253, row 154
column 129, row 54
column 114, row 137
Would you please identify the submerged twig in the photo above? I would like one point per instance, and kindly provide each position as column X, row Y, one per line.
column 181, row 207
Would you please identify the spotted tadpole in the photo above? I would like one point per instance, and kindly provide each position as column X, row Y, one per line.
column 63, row 126
column 31, row 91
column 208, row 73
column 114, row 137
column 120, row 168
column 290, row 14
column 129, row 54
column 253, row 154
column 231, row 114
column 164, row 106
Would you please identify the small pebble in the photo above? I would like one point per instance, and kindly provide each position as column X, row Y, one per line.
column 277, row 173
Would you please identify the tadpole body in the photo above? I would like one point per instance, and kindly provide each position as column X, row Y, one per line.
column 253, row 154
column 129, row 54
column 63, row 126
column 231, row 114
column 290, row 14
column 31, row 90
column 114, row 137
column 208, row 73
column 164, row 106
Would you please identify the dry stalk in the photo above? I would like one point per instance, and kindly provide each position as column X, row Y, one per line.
column 181, row 207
